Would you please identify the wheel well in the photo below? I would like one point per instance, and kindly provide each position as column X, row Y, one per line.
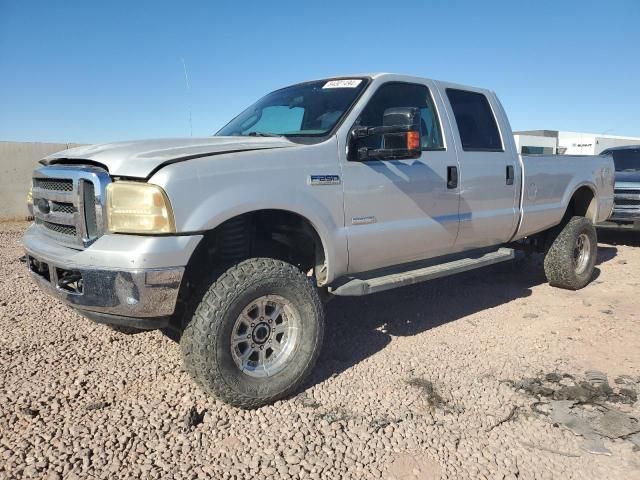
column 270, row 233
column 277, row 234
column 583, row 204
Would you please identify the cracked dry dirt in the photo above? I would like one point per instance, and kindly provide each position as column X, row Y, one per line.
column 448, row 379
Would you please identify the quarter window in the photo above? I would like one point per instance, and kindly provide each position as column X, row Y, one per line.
column 395, row 94
column 476, row 123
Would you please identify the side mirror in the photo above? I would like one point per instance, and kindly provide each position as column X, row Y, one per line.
column 400, row 132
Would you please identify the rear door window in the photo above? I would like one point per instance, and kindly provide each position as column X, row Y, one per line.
column 476, row 123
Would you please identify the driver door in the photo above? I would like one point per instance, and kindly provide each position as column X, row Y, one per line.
column 399, row 211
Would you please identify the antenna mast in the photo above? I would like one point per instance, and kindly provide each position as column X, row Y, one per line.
column 188, row 86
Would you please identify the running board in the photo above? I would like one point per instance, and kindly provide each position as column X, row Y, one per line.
column 358, row 286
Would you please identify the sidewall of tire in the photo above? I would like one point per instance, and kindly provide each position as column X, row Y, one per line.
column 559, row 263
column 209, row 349
column 299, row 361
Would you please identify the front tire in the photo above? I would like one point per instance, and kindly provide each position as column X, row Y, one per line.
column 570, row 260
column 256, row 334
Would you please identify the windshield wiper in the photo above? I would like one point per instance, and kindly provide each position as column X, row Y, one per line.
column 263, row 134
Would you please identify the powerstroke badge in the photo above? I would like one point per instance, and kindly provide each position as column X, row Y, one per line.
column 324, row 179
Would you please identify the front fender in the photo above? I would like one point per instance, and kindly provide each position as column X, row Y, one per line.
column 206, row 192
column 333, row 236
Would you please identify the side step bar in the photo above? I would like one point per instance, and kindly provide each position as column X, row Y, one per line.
column 357, row 286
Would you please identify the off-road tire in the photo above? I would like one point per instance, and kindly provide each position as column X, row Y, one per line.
column 206, row 339
column 560, row 262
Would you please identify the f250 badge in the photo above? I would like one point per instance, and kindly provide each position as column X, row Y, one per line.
column 324, row 180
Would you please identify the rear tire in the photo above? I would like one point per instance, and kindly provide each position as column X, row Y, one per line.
column 571, row 257
column 256, row 334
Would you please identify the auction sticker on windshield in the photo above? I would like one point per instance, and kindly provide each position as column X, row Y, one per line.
column 346, row 83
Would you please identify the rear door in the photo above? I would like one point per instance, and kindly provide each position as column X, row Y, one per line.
column 488, row 184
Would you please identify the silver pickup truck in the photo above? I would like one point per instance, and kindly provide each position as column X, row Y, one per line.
column 341, row 186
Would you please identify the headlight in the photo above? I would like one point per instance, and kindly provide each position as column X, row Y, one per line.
column 136, row 207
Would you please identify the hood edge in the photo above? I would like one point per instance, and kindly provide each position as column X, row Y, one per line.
column 78, row 161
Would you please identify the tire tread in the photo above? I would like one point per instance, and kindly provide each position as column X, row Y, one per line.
column 198, row 346
column 558, row 261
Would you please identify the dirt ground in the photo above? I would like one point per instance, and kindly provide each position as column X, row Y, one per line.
column 491, row 374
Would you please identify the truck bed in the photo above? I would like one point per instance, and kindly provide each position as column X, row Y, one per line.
column 548, row 181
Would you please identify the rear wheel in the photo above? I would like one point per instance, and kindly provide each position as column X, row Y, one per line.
column 256, row 334
column 571, row 257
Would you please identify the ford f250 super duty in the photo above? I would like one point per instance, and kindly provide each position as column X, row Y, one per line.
column 342, row 186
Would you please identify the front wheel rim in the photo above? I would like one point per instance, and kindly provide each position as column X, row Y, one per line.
column 582, row 253
column 265, row 336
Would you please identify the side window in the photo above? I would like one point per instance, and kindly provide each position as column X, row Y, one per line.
column 394, row 94
column 475, row 120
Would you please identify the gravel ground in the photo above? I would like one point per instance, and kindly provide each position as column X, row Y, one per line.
column 426, row 382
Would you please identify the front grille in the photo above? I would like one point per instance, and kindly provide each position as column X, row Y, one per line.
column 68, row 202
column 627, row 191
column 627, row 201
column 69, row 230
column 627, row 197
column 63, row 207
column 59, row 185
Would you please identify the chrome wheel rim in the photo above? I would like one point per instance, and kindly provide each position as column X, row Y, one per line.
column 581, row 253
column 265, row 336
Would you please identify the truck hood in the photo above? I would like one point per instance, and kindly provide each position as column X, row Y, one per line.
column 628, row 177
column 142, row 158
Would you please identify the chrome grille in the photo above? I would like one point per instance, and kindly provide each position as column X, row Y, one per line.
column 62, row 185
column 627, row 201
column 63, row 207
column 68, row 203
column 627, row 191
column 627, row 197
column 68, row 230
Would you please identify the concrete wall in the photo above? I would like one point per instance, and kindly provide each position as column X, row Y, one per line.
column 17, row 161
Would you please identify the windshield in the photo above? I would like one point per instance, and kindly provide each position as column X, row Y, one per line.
column 306, row 110
column 626, row 160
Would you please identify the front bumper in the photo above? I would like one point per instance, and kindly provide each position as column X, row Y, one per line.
column 104, row 290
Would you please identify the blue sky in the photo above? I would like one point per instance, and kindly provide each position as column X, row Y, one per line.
column 90, row 71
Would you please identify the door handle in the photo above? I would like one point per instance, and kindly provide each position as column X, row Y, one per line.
column 452, row 177
column 510, row 174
